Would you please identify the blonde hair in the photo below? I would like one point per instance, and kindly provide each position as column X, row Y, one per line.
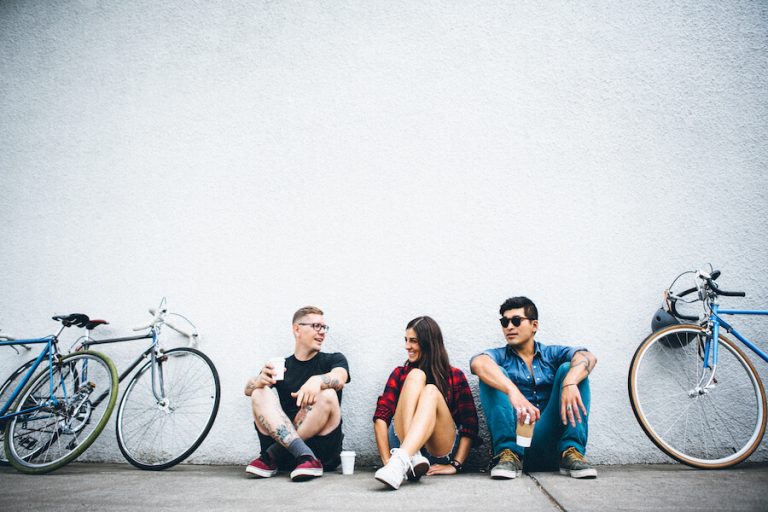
column 306, row 310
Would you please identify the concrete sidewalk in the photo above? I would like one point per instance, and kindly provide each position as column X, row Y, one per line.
column 190, row 488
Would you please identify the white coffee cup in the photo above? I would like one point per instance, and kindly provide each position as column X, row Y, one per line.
column 525, row 432
column 347, row 462
column 278, row 365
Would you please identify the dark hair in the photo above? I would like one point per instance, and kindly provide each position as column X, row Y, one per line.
column 520, row 302
column 434, row 358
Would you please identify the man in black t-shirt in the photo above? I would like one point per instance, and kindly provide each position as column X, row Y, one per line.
column 298, row 419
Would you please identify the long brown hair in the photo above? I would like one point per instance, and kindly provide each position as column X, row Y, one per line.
column 434, row 358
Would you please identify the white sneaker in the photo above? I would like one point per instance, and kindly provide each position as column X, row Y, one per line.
column 393, row 473
column 419, row 465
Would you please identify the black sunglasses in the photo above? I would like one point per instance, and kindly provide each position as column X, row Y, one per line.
column 516, row 320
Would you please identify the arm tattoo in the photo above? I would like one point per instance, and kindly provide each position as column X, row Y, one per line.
column 586, row 362
column 329, row 382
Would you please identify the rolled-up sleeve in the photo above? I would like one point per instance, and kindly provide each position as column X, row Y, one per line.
column 569, row 352
column 387, row 402
column 496, row 355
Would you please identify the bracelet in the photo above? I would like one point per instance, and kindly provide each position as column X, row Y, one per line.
column 566, row 385
column 456, row 464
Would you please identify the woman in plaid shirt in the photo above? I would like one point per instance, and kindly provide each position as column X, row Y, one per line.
column 435, row 420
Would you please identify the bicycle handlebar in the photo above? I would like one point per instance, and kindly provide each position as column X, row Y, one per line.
column 674, row 311
column 8, row 337
column 709, row 279
column 158, row 316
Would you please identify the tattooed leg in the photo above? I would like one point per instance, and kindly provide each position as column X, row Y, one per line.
column 270, row 418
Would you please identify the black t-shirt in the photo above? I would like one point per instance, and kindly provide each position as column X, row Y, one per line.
column 297, row 372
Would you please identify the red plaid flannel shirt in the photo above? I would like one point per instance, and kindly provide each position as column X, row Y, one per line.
column 461, row 403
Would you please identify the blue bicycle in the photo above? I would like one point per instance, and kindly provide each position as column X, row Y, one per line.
column 56, row 408
column 695, row 394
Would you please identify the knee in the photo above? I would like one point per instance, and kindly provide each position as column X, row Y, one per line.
column 416, row 376
column 431, row 391
column 562, row 370
column 260, row 396
column 327, row 399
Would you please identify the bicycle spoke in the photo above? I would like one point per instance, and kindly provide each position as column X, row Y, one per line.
column 703, row 426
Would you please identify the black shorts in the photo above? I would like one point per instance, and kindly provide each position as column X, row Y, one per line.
column 326, row 448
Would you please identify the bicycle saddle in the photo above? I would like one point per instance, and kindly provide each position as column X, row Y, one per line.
column 95, row 323
column 77, row 319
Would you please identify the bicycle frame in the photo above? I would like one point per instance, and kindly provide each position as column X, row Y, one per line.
column 158, row 388
column 47, row 351
column 716, row 321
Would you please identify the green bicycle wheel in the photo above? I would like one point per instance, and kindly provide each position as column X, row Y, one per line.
column 6, row 390
column 63, row 417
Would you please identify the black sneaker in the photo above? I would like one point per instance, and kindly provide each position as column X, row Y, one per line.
column 575, row 465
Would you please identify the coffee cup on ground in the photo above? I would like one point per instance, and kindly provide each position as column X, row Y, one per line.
column 525, row 431
column 347, row 462
column 278, row 365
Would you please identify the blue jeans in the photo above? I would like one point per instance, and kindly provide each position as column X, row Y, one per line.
column 550, row 437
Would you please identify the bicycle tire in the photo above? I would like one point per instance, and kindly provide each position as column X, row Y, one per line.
column 154, row 435
column 711, row 427
column 6, row 389
column 69, row 426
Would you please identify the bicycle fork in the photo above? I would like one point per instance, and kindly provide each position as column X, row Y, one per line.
column 707, row 350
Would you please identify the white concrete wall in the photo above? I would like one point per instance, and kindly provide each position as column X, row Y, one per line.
column 381, row 160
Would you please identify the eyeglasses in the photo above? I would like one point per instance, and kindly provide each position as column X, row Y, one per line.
column 320, row 327
column 515, row 320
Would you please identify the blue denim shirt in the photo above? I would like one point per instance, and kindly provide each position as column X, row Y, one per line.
column 536, row 388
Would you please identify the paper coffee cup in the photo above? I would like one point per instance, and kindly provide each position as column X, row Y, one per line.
column 278, row 365
column 525, row 432
column 347, row 462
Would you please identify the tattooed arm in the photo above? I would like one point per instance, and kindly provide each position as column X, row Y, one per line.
column 334, row 379
column 265, row 378
column 307, row 394
column 571, row 406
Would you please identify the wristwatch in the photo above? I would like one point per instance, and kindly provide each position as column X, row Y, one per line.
column 456, row 464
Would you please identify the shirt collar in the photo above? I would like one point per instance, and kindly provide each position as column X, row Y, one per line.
column 536, row 350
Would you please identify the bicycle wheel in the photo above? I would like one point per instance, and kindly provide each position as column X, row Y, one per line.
column 75, row 401
column 159, row 432
column 705, row 425
column 6, row 390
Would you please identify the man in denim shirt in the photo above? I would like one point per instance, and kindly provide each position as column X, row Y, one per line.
column 519, row 380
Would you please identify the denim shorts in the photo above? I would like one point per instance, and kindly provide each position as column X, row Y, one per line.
column 394, row 442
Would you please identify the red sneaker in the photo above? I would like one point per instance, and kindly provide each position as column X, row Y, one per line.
column 263, row 467
column 308, row 467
